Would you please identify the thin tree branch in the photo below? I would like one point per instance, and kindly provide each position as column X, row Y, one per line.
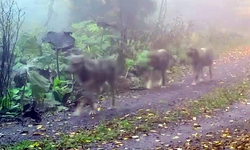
column 11, row 20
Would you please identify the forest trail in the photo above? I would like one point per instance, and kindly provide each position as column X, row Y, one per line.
column 235, row 117
column 228, row 69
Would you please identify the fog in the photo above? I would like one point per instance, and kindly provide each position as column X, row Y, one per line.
column 229, row 14
column 219, row 13
column 36, row 14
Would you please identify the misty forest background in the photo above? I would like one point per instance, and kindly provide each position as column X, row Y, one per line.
column 127, row 29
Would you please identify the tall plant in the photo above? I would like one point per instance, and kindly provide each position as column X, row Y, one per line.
column 11, row 20
column 93, row 39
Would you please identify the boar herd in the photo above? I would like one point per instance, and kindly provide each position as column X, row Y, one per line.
column 93, row 73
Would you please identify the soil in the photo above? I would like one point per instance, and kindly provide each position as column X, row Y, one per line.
column 224, row 74
column 235, row 117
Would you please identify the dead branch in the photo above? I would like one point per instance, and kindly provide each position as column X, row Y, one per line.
column 11, row 20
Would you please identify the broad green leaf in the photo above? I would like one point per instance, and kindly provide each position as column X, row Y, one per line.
column 38, row 83
column 15, row 91
column 57, row 81
column 49, row 97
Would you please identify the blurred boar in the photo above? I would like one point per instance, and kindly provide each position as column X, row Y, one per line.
column 93, row 73
column 201, row 58
column 159, row 60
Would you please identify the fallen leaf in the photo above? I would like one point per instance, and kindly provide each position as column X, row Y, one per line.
column 207, row 116
column 57, row 133
column 39, row 126
column 196, row 125
column 87, row 141
column 150, row 114
column 24, row 132
column 135, row 137
column 176, row 137
column 117, row 142
column 160, row 125
column 38, row 133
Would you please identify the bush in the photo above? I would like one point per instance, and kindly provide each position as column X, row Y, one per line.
column 93, row 39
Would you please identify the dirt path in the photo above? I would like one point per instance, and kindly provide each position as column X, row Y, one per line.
column 173, row 94
column 236, row 117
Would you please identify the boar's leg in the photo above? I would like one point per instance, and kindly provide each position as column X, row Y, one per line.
column 93, row 107
column 79, row 107
column 163, row 77
column 210, row 72
column 149, row 83
column 196, row 75
column 201, row 74
column 93, row 103
column 112, row 91
column 98, row 91
column 195, row 79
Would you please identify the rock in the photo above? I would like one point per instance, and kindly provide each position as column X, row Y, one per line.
column 138, row 70
column 130, row 75
column 135, row 81
column 123, row 84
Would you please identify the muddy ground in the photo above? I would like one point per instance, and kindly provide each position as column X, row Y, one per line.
column 224, row 74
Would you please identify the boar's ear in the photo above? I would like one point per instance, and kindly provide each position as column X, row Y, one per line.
column 76, row 58
column 69, row 33
column 70, row 57
column 50, row 32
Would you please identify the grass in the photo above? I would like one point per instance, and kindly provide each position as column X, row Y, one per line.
column 219, row 98
column 228, row 138
column 142, row 122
